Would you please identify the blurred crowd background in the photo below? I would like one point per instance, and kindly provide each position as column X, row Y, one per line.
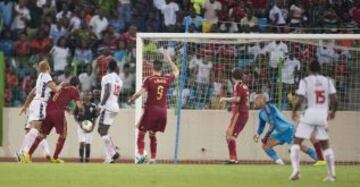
column 79, row 37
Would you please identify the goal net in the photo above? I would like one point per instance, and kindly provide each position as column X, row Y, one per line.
column 274, row 64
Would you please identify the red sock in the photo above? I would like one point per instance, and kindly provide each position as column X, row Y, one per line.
column 232, row 149
column 35, row 145
column 140, row 143
column 318, row 150
column 153, row 146
column 59, row 146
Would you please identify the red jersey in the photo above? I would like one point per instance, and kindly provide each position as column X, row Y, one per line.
column 60, row 100
column 242, row 91
column 157, row 88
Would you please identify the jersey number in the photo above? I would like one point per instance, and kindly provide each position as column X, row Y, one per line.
column 160, row 92
column 320, row 96
column 117, row 90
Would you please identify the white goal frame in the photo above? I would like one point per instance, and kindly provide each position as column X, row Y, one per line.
column 183, row 36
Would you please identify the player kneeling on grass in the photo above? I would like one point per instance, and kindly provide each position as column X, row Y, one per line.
column 154, row 117
column 55, row 117
column 240, row 110
column 280, row 131
column 85, row 135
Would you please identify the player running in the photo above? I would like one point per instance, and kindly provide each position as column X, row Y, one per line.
column 56, row 118
column 240, row 111
column 111, row 85
column 37, row 110
column 281, row 130
column 85, row 137
column 319, row 92
column 154, row 117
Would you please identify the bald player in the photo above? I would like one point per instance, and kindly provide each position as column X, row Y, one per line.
column 37, row 107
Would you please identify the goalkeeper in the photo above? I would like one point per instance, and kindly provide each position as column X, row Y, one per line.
column 281, row 130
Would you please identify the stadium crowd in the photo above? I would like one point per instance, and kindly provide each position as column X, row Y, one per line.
column 79, row 37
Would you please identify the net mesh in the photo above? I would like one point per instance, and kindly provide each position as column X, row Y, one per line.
column 273, row 67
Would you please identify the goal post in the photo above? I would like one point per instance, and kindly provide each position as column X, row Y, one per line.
column 225, row 51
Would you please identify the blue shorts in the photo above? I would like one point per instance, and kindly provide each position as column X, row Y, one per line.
column 283, row 137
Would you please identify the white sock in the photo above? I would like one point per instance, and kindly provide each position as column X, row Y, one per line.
column 30, row 138
column 330, row 160
column 109, row 147
column 22, row 146
column 295, row 157
column 45, row 146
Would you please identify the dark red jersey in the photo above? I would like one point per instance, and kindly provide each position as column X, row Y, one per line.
column 157, row 88
column 242, row 91
column 60, row 100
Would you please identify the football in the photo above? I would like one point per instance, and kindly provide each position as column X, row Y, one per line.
column 87, row 125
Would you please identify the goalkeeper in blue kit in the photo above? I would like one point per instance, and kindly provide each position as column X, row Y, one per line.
column 281, row 130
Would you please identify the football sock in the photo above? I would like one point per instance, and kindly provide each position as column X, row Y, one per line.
column 59, row 146
column 45, row 146
column 311, row 153
column 81, row 151
column 330, row 160
column 87, row 153
column 272, row 154
column 318, row 149
column 30, row 138
column 232, row 149
column 140, row 143
column 109, row 147
column 153, row 146
column 295, row 157
column 35, row 145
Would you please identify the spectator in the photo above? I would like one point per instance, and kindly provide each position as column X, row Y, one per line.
column 117, row 22
column 83, row 54
column 314, row 13
column 277, row 17
column 355, row 12
column 211, row 11
column 87, row 79
column 22, row 16
column 65, row 13
column 36, row 14
column 250, row 22
column 29, row 82
column 159, row 4
column 237, row 12
column 289, row 73
column 325, row 54
column 22, row 48
column 66, row 75
column 277, row 50
column 296, row 14
column 153, row 23
column 124, row 11
column 98, row 23
column 169, row 11
column 194, row 19
column 198, row 5
column 330, row 21
column 75, row 21
column 6, row 12
column 128, row 84
column 6, row 44
column 130, row 37
column 41, row 44
column 120, row 54
column 60, row 55
column 57, row 30
column 166, row 48
column 83, row 35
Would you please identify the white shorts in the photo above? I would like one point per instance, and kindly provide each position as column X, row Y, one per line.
column 27, row 123
column 106, row 117
column 37, row 110
column 84, row 136
column 305, row 131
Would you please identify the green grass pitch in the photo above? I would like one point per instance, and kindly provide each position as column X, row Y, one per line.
column 129, row 175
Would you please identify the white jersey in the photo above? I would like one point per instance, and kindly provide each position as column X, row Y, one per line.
column 317, row 90
column 42, row 91
column 115, row 88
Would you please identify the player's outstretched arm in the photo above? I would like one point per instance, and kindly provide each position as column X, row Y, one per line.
column 333, row 106
column 54, row 88
column 299, row 101
column 137, row 95
column 174, row 68
column 106, row 95
column 234, row 99
column 28, row 100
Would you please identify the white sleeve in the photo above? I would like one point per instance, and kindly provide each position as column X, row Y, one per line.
column 47, row 78
column 302, row 88
column 105, row 80
column 332, row 89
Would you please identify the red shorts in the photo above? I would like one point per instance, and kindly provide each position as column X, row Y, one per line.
column 54, row 118
column 238, row 122
column 153, row 119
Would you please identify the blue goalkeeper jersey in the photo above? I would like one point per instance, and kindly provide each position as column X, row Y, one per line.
column 276, row 119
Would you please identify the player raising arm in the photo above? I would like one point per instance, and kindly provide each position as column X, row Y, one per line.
column 317, row 90
column 240, row 111
column 154, row 117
